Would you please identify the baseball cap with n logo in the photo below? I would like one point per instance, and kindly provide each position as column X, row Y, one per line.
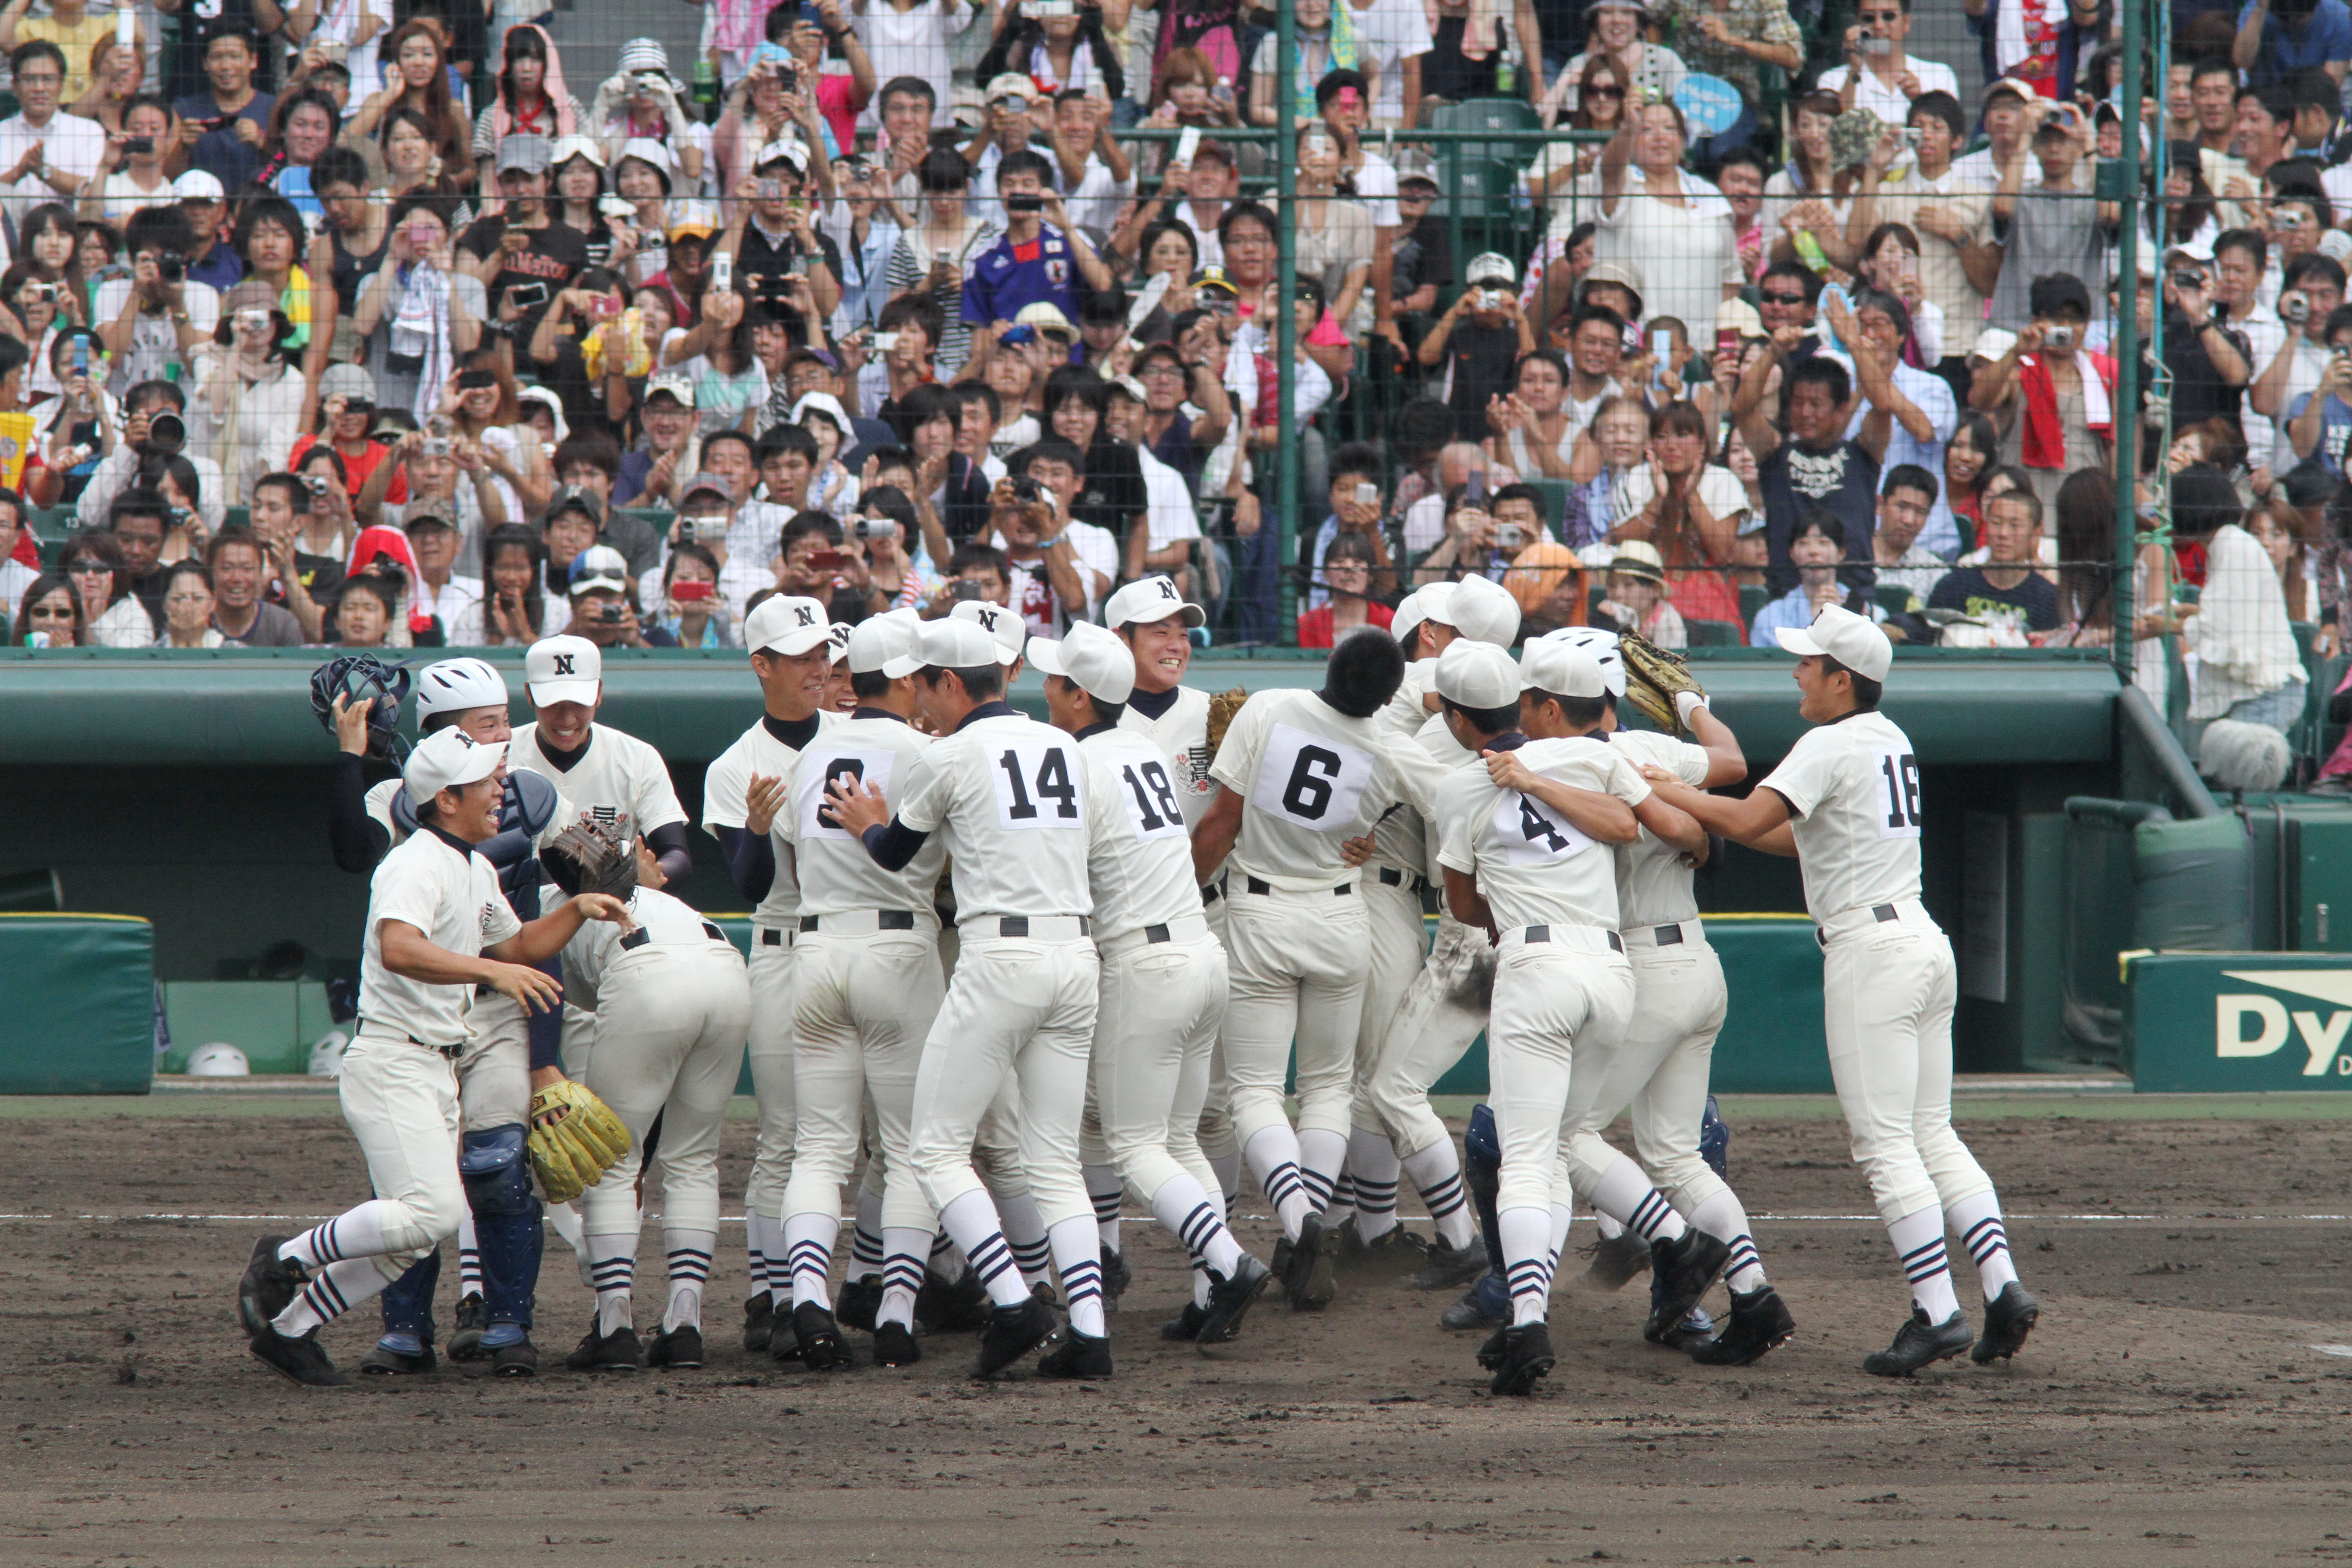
column 1148, row 599
column 788, row 624
column 1006, row 626
column 563, row 669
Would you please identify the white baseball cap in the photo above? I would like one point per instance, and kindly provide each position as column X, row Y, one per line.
column 1481, row 610
column 599, row 566
column 886, row 643
column 1102, row 665
column 789, row 624
column 1477, row 675
column 837, row 634
column 823, row 403
column 455, row 685
column 956, row 643
column 449, row 758
column 1426, row 603
column 1147, row 599
column 1563, row 668
column 1005, row 628
column 1598, row 641
column 196, row 185
column 563, row 669
column 1855, row 641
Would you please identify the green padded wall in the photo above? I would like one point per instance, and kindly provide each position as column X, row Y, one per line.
column 79, row 1013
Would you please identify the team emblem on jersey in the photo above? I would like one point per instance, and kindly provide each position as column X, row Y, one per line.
column 1057, row 273
column 606, row 814
column 489, row 912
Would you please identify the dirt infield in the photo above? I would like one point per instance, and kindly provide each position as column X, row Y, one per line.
column 2172, row 1407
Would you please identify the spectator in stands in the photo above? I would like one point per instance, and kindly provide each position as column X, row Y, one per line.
column 1186, row 409
column 1325, row 42
column 420, row 81
column 1658, row 217
column 1058, row 52
column 1638, row 599
column 529, row 97
column 515, row 608
column 522, row 245
column 1480, row 340
column 126, row 181
column 1689, row 510
column 1817, row 543
column 1549, row 581
column 1048, row 580
column 2320, row 421
column 2055, row 399
column 670, row 448
column 1034, row 260
column 1941, row 209
column 1535, row 428
column 52, row 607
column 1732, row 39
column 2006, row 591
column 15, row 575
column 1922, row 409
column 45, row 153
column 1649, row 72
column 1817, row 466
column 148, row 322
column 248, row 405
column 1356, row 510
column 929, row 256
column 2265, row 132
column 2274, row 44
column 1092, row 172
column 693, row 613
column 987, row 571
column 364, row 609
column 2312, row 289
column 1336, row 237
column 1341, row 589
column 1905, row 502
column 2249, row 668
column 294, row 576
column 1879, row 74
column 237, row 567
column 98, row 569
column 810, row 562
column 2064, row 230
column 1420, row 262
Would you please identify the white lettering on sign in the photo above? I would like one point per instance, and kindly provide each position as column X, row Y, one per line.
column 2320, row 1036
column 2228, row 1026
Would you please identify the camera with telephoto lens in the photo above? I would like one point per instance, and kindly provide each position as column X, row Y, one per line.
column 171, row 266
column 166, row 434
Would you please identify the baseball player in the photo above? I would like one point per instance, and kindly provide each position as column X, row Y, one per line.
column 789, row 642
column 1526, row 868
column 839, row 698
column 1009, row 799
column 672, row 1002
column 867, row 986
column 1846, row 802
column 1302, row 777
column 1163, row 974
column 509, row 1050
column 1660, row 1066
column 437, row 927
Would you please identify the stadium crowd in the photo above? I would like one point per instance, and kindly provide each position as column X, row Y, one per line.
column 362, row 325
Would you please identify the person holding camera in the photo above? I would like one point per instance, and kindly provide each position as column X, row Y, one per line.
column 1878, row 74
column 422, row 308
column 706, row 520
column 248, row 407
column 155, row 318
column 1040, row 257
column 131, row 174
column 604, row 603
column 885, row 522
column 1028, row 522
column 693, row 612
column 639, row 102
column 778, row 257
column 522, row 254
column 2064, row 393
column 2062, row 228
column 154, row 429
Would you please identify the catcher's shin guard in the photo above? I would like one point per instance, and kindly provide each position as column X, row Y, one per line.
column 507, row 1225
column 407, row 1302
column 1482, row 1167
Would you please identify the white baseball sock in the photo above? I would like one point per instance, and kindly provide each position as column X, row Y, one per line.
column 1372, row 1167
column 1228, row 1168
column 972, row 1220
column 356, row 1233
column 567, row 1222
column 1342, row 1208
column 808, row 1252
column 690, row 1252
column 613, row 1268
column 1201, row 1284
column 867, row 1252
column 903, row 1250
column 1919, row 1242
column 1722, row 1217
column 1025, row 1231
column 332, row 1291
column 1563, row 1215
column 1107, row 1193
column 1190, row 1216
column 763, row 1238
column 1624, row 1192
column 1078, row 1254
column 947, row 1260
column 1321, row 1153
column 1978, row 1220
column 1527, row 1238
column 1273, row 1156
column 1436, row 1174
column 469, row 1258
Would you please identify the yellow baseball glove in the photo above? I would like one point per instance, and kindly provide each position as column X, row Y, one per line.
column 1221, row 708
column 574, row 1139
column 1653, row 678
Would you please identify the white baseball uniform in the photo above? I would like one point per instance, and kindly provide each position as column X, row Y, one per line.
column 672, row 1001
column 1008, row 798
column 768, row 748
column 867, row 986
column 1298, row 934
column 1561, row 983
column 1888, row 982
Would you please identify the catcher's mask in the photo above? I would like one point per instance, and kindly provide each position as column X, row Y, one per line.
column 590, row 857
column 1366, row 668
column 363, row 677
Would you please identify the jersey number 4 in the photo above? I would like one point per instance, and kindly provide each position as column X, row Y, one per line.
column 1036, row 787
column 1898, row 786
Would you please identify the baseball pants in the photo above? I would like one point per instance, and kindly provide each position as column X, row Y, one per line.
column 1659, row 1068
column 1299, row 961
column 401, row 1101
column 1161, row 1008
column 1393, row 909
column 770, row 1044
column 864, row 1000
column 1218, row 1144
column 670, row 1028
column 1555, row 1000
column 1888, row 988
column 1438, row 1017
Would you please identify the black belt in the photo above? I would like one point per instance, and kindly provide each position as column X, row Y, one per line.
column 1211, row 894
column 771, row 937
column 1264, row 891
column 1392, row 876
column 884, row 920
column 713, row 933
column 1018, row 925
column 1882, row 913
column 1543, row 933
column 1156, row 934
column 449, row 1052
column 1667, row 936
column 636, row 939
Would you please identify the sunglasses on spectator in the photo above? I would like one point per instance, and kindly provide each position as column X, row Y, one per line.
column 1599, row 91
column 1771, row 299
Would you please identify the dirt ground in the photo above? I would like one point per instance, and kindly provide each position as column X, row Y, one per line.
column 2173, row 1407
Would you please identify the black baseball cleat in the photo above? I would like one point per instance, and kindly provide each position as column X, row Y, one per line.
column 1012, row 1332
column 1498, row 1346
column 1759, row 1321
column 520, row 1359
column 1116, row 1278
column 1917, row 1342
column 1487, row 1305
column 1185, row 1325
column 382, row 1360
column 1309, row 1281
column 269, row 1286
column 679, row 1349
column 1079, row 1356
column 2009, row 1318
column 1526, row 1357
column 820, row 1339
column 894, row 1344
column 298, row 1356
column 1615, row 1259
column 759, row 1322
column 1395, row 1251
column 1230, row 1299
column 783, row 1344
column 945, row 1308
column 1681, row 1270
column 1450, row 1265
column 859, row 1306
column 617, row 1352
column 1280, row 1263
column 466, row 1338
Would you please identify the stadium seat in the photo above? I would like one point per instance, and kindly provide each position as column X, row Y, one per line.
column 1893, row 598
column 1714, row 634
column 1555, row 500
column 236, row 517
column 1490, row 114
column 1753, row 597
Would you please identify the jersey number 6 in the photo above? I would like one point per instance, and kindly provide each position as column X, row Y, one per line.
column 1308, row 793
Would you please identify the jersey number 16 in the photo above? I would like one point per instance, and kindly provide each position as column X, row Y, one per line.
column 1898, row 783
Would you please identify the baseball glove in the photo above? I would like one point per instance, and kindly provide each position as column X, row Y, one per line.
column 590, row 858
column 1653, row 678
column 574, row 1139
column 1221, row 708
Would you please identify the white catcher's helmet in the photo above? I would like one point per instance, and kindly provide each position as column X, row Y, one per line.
column 1601, row 644
column 218, row 1059
column 455, row 685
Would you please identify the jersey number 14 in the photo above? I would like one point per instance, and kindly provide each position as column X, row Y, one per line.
column 1036, row 786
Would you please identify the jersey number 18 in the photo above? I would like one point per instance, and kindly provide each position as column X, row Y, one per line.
column 1898, row 784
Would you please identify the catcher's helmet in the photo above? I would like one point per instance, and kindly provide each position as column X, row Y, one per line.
column 1601, row 644
column 455, row 685
column 363, row 677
